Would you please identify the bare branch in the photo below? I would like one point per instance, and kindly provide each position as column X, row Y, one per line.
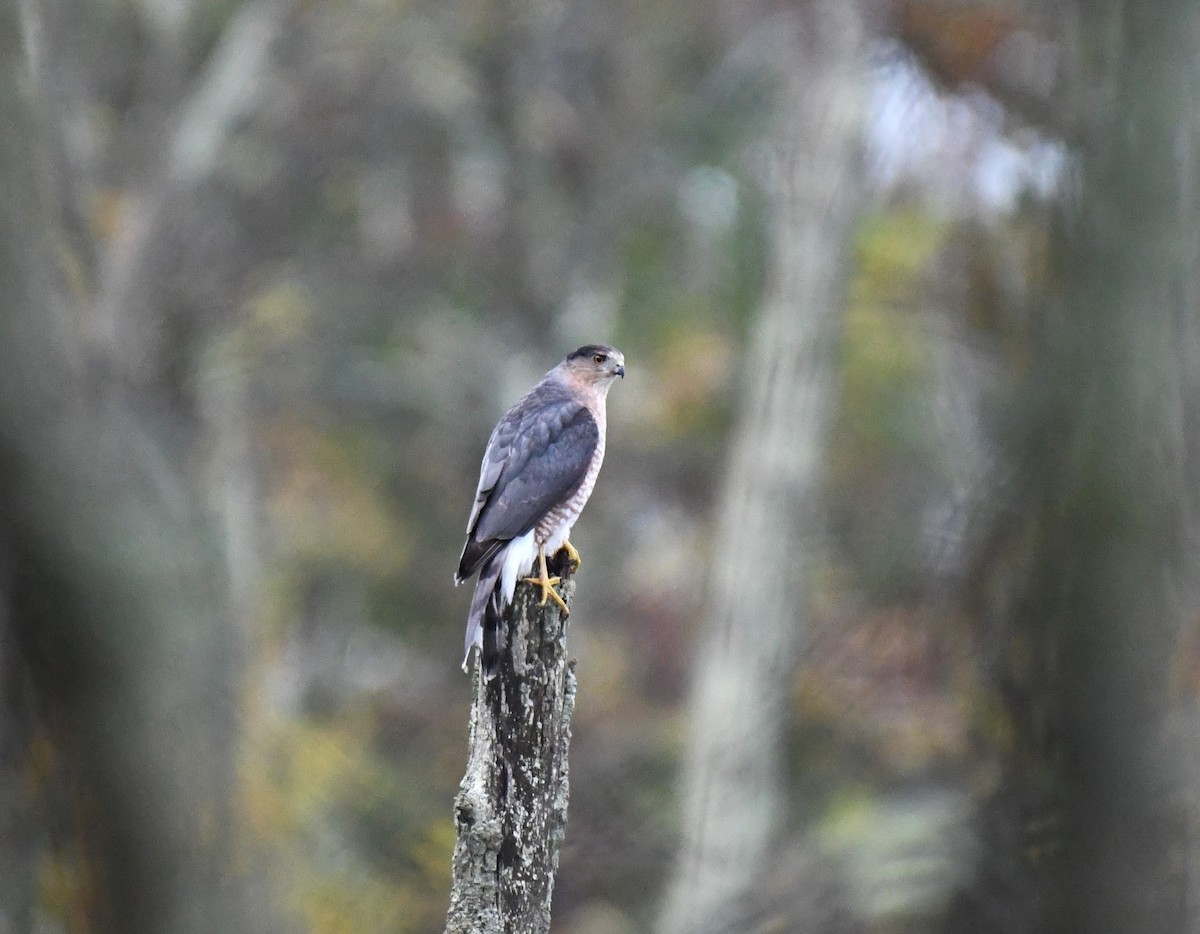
column 226, row 93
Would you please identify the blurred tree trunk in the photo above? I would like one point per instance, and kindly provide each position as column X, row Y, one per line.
column 116, row 617
column 1114, row 407
column 511, row 809
column 747, row 652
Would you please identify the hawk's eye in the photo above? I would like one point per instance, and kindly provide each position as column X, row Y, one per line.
column 599, row 358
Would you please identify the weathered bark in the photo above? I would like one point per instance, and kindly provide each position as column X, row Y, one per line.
column 733, row 801
column 511, row 809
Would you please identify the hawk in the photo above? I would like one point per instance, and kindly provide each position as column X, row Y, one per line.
column 538, row 471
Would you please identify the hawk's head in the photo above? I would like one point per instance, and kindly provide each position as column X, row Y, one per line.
column 595, row 364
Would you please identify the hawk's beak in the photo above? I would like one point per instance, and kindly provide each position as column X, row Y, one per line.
column 620, row 371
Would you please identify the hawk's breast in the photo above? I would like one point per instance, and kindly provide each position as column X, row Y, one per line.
column 553, row 527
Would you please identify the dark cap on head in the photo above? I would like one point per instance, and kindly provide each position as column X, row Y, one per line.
column 590, row 350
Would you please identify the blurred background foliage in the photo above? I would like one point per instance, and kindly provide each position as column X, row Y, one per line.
column 322, row 246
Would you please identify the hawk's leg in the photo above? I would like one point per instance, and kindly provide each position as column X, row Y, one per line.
column 546, row 582
column 572, row 555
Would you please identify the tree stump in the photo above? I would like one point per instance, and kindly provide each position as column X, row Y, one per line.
column 511, row 808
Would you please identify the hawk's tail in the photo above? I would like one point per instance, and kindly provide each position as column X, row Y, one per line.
column 485, row 618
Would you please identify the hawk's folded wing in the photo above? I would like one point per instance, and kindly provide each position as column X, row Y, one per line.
column 535, row 460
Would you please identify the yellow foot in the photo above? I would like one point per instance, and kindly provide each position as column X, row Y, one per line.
column 548, row 591
column 547, row 584
column 572, row 555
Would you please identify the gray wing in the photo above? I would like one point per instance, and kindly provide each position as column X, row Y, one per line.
column 536, row 458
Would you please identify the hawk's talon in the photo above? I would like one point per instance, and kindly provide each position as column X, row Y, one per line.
column 548, row 591
column 546, row 582
column 572, row 555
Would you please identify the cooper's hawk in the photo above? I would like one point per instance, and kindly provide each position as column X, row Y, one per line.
column 538, row 470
